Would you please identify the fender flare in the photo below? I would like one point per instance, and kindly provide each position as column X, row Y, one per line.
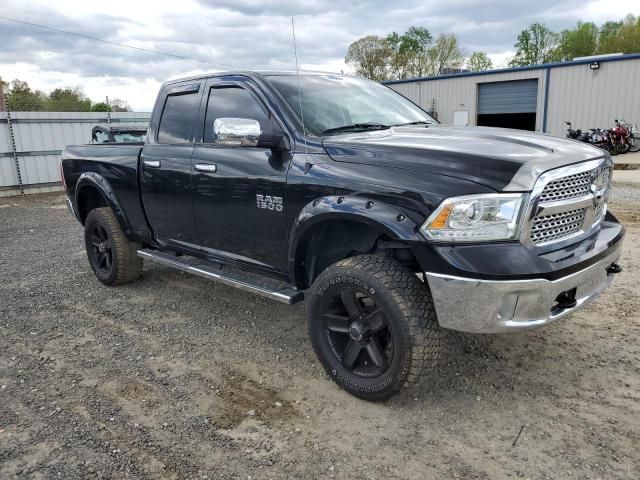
column 97, row 181
column 390, row 219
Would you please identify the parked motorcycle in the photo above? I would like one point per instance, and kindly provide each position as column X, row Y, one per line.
column 576, row 134
column 619, row 135
column 602, row 139
column 622, row 138
column 631, row 135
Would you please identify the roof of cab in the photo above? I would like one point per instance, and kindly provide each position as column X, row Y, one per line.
column 251, row 73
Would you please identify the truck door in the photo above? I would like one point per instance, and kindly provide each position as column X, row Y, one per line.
column 165, row 164
column 239, row 191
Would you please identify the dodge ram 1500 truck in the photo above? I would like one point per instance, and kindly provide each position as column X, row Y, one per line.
column 341, row 190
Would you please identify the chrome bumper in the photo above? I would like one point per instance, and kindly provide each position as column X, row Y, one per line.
column 487, row 306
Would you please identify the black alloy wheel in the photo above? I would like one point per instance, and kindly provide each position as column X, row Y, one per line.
column 101, row 249
column 358, row 332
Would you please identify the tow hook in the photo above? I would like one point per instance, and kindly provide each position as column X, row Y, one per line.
column 566, row 300
column 614, row 268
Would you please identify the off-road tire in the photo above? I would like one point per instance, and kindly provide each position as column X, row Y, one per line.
column 408, row 306
column 125, row 265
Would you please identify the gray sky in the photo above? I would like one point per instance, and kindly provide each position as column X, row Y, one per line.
column 246, row 34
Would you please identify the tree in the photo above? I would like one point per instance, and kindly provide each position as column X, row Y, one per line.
column 628, row 37
column 370, row 57
column 68, row 100
column 119, row 105
column 22, row 98
column 407, row 49
column 535, row 45
column 479, row 61
column 444, row 54
column 101, row 107
column 581, row 41
column 607, row 37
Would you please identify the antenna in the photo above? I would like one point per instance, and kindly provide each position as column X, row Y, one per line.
column 295, row 52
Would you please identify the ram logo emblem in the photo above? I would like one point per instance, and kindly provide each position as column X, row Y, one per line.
column 269, row 202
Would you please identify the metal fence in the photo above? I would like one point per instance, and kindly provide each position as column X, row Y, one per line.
column 31, row 144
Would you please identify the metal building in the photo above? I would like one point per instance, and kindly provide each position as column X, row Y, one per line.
column 31, row 144
column 590, row 93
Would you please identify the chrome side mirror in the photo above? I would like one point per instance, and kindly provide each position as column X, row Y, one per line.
column 236, row 132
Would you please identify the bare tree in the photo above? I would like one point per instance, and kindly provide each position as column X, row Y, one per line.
column 370, row 56
column 119, row 105
column 445, row 54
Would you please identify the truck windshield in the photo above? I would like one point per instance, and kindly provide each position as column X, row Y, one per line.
column 333, row 104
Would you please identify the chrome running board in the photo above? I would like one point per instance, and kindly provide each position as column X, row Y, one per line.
column 266, row 287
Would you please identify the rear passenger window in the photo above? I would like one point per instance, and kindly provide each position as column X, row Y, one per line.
column 177, row 117
column 232, row 102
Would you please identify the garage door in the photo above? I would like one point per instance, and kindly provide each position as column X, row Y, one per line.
column 518, row 96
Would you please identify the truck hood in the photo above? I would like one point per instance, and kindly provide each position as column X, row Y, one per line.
column 499, row 158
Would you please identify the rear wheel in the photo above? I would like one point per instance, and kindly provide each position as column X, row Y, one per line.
column 113, row 258
column 372, row 325
column 634, row 143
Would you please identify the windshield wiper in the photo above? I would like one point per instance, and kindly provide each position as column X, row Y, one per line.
column 420, row 122
column 356, row 127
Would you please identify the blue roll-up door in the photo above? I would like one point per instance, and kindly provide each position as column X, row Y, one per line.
column 518, row 96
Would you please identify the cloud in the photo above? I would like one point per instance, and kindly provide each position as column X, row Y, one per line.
column 244, row 34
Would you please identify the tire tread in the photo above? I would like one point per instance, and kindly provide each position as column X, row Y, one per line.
column 128, row 265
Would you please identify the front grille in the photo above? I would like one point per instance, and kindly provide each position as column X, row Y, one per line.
column 565, row 188
column 569, row 204
column 548, row 228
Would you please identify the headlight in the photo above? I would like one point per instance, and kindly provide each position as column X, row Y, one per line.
column 475, row 218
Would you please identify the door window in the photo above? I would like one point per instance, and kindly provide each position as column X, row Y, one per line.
column 232, row 102
column 177, row 117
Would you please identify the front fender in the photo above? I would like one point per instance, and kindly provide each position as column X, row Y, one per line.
column 97, row 181
column 387, row 218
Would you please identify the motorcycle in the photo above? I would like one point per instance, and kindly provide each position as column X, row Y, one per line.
column 576, row 134
column 602, row 139
column 631, row 136
column 619, row 136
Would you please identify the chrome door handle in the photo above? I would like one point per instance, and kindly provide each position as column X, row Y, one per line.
column 152, row 163
column 206, row 167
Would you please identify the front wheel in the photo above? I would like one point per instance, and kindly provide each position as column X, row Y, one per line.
column 634, row 143
column 372, row 325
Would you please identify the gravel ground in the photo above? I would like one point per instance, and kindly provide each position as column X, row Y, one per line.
column 175, row 377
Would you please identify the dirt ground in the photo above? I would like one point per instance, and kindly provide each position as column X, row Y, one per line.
column 176, row 377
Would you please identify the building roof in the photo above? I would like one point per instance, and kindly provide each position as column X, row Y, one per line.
column 613, row 58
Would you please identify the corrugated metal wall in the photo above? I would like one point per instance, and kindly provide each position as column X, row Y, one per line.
column 587, row 98
column 593, row 98
column 39, row 140
column 461, row 93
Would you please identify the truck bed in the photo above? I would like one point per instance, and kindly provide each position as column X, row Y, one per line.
column 116, row 163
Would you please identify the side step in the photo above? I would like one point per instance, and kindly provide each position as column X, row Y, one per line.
column 266, row 287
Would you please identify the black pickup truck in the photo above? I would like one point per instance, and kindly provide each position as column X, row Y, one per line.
column 343, row 191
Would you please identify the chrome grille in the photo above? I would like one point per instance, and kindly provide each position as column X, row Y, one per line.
column 569, row 201
column 548, row 228
column 567, row 187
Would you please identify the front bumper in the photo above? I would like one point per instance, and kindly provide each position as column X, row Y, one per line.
column 494, row 306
